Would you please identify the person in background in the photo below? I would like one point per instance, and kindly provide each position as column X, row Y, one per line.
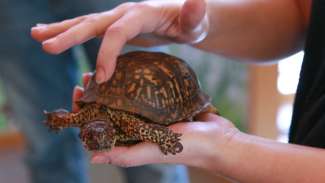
column 250, row 30
column 34, row 81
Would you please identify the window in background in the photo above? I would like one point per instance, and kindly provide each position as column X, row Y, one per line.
column 287, row 81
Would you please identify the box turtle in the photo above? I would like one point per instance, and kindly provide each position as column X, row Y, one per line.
column 147, row 92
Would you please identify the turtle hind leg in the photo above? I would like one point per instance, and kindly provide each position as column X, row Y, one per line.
column 168, row 141
column 98, row 136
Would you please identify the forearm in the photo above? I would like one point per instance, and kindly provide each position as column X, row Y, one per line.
column 252, row 159
column 256, row 30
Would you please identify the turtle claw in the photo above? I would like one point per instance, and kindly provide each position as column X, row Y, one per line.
column 178, row 135
column 178, row 147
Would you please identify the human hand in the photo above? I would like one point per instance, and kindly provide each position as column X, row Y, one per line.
column 161, row 20
column 203, row 141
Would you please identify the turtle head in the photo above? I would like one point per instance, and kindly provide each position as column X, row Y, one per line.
column 57, row 119
column 98, row 135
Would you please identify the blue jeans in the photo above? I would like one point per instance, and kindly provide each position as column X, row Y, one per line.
column 35, row 81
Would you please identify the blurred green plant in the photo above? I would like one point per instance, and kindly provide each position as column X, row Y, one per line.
column 3, row 123
column 83, row 61
column 221, row 78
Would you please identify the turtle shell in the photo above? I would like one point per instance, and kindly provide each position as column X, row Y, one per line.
column 156, row 86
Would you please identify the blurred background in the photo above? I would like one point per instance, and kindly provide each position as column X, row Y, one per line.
column 258, row 99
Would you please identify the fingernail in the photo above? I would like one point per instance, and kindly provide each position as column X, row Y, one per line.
column 41, row 25
column 87, row 74
column 98, row 160
column 77, row 87
column 48, row 41
column 45, row 42
column 100, row 75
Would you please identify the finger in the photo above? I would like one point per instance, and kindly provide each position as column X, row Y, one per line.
column 136, row 155
column 86, row 78
column 211, row 117
column 149, row 40
column 192, row 14
column 191, row 20
column 143, row 153
column 78, row 34
column 46, row 31
column 92, row 26
column 114, row 39
column 205, row 116
column 77, row 94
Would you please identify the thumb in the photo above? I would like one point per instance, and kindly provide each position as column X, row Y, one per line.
column 192, row 18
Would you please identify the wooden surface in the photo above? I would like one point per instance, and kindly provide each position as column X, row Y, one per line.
column 11, row 140
column 264, row 100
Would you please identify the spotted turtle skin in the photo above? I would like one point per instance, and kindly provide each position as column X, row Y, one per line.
column 147, row 92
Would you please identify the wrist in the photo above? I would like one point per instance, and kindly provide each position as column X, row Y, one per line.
column 223, row 150
column 228, row 154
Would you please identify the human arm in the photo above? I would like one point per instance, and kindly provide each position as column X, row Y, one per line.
column 214, row 144
column 249, row 30
column 266, row 160
column 256, row 30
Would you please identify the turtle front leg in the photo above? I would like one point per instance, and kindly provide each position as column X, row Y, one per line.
column 168, row 141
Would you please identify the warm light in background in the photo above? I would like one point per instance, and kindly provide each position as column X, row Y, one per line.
column 283, row 121
column 287, row 81
column 289, row 69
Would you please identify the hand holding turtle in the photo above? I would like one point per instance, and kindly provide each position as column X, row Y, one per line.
column 148, row 92
column 163, row 20
column 202, row 141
